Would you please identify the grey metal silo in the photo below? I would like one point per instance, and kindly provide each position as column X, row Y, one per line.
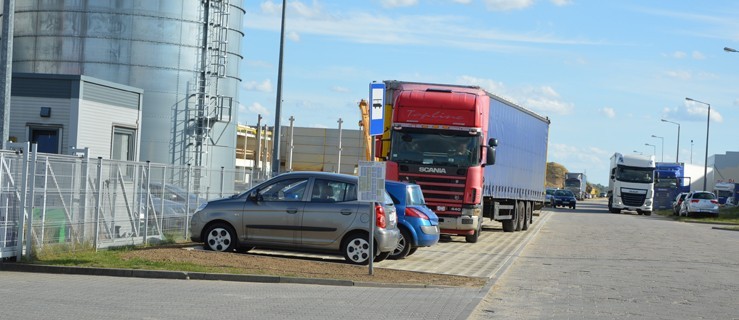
column 185, row 54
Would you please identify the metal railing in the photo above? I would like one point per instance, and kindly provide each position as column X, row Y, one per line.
column 73, row 202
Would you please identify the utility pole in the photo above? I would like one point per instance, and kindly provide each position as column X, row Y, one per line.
column 6, row 69
column 278, row 104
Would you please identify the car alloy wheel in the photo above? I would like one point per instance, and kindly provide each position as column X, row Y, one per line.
column 404, row 246
column 356, row 249
column 220, row 238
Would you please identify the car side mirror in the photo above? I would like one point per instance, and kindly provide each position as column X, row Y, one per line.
column 254, row 196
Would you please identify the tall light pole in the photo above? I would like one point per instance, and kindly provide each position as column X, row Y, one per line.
column 663, row 146
column 677, row 153
column 278, row 103
column 691, row 151
column 727, row 49
column 708, row 127
column 654, row 148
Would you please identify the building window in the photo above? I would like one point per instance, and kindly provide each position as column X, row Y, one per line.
column 124, row 144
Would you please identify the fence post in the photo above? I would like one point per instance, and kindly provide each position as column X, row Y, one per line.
column 220, row 194
column 187, row 205
column 32, row 175
column 98, row 202
column 148, row 196
column 43, row 204
column 21, row 215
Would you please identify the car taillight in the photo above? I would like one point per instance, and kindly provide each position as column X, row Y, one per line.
column 714, row 201
column 380, row 216
column 413, row 212
column 694, row 201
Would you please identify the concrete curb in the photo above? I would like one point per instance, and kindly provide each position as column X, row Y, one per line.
column 183, row 275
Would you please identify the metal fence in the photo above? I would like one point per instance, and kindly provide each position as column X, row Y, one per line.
column 72, row 202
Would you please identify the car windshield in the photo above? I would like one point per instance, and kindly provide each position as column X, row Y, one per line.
column 448, row 148
column 572, row 182
column 550, row 191
column 563, row 193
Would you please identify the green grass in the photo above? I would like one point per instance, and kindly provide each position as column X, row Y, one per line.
column 112, row 258
column 726, row 216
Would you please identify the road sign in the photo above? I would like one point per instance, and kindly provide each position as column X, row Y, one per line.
column 377, row 109
column 371, row 181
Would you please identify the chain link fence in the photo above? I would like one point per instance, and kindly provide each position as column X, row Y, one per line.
column 70, row 202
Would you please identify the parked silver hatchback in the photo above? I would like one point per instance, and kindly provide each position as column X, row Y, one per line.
column 307, row 211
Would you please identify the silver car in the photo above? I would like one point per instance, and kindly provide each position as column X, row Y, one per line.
column 699, row 202
column 312, row 211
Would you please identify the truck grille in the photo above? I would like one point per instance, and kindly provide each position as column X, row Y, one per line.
column 445, row 191
column 633, row 200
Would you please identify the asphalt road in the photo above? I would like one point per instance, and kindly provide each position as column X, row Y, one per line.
column 591, row 264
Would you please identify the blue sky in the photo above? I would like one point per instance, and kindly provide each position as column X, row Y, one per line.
column 604, row 72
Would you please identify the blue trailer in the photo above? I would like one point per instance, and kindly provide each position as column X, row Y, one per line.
column 669, row 182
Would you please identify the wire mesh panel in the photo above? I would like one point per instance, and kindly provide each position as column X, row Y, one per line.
column 11, row 166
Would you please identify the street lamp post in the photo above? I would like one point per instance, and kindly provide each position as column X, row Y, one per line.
column 677, row 153
column 654, row 148
column 708, row 127
column 727, row 49
column 663, row 146
column 691, row 151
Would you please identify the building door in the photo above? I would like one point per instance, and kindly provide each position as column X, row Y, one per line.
column 46, row 139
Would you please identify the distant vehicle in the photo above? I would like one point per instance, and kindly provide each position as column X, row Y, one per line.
column 311, row 211
column 699, row 202
column 669, row 181
column 564, row 198
column 602, row 195
column 548, row 200
column 726, row 191
column 678, row 202
column 419, row 226
column 631, row 183
column 169, row 203
column 577, row 183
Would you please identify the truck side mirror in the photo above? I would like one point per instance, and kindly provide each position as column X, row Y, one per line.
column 490, row 156
column 493, row 142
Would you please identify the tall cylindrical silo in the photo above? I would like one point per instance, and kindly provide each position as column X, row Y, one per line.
column 183, row 53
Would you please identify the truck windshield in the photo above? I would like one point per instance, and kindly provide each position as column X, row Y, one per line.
column 449, row 148
column 572, row 183
column 635, row 174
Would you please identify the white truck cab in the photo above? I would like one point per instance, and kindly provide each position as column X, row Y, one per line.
column 631, row 183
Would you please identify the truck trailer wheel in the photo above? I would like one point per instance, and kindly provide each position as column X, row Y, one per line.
column 510, row 225
column 520, row 215
column 529, row 214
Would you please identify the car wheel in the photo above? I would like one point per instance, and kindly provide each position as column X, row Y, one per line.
column 220, row 237
column 647, row 213
column 404, row 245
column 356, row 249
column 413, row 250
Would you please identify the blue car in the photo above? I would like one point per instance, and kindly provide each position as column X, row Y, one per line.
column 419, row 226
column 564, row 198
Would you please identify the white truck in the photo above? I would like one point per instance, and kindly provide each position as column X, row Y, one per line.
column 576, row 183
column 631, row 183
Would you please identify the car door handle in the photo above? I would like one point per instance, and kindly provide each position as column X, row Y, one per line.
column 292, row 211
column 346, row 212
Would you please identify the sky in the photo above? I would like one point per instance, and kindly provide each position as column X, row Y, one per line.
column 604, row 72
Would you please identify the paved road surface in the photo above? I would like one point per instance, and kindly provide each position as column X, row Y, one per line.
column 590, row 264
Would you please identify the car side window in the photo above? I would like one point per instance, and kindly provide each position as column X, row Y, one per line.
column 284, row 190
column 333, row 191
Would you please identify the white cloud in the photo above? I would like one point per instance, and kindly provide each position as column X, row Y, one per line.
column 691, row 111
column 697, row 55
column 608, row 112
column 561, row 3
column 507, row 5
column 295, row 7
column 264, row 86
column 398, row 3
column 679, row 54
column 257, row 108
column 270, row 7
column 578, row 159
column 542, row 99
column 294, row 36
column 463, row 1
column 679, row 74
column 340, row 89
